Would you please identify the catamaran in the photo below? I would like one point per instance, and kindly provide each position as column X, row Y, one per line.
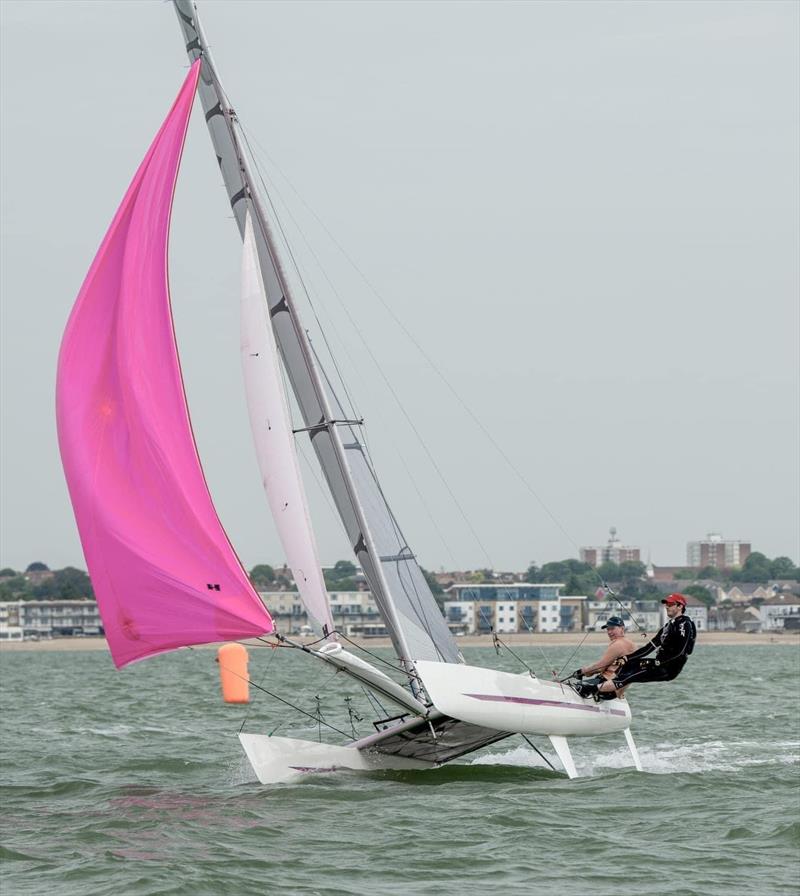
column 164, row 572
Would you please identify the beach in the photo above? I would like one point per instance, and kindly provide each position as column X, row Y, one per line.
column 550, row 639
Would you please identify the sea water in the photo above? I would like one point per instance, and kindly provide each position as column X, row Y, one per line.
column 133, row 782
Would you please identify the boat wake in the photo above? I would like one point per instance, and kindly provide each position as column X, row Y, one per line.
column 664, row 758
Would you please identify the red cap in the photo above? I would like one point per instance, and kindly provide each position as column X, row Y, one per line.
column 674, row 599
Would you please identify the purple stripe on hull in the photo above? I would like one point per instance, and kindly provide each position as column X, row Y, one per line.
column 530, row 701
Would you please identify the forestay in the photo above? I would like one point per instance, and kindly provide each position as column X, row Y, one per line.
column 414, row 622
column 272, row 434
column 163, row 570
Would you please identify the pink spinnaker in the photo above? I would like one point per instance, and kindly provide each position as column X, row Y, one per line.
column 163, row 570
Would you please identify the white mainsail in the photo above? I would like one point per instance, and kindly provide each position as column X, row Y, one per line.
column 270, row 422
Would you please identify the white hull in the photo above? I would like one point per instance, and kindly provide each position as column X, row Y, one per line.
column 518, row 703
column 278, row 760
column 495, row 703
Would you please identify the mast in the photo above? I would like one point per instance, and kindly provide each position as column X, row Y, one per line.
column 416, row 627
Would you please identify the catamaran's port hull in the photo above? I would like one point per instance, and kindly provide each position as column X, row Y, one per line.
column 278, row 760
column 404, row 744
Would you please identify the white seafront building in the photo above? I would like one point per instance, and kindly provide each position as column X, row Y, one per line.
column 507, row 608
column 780, row 612
column 354, row 613
column 26, row 620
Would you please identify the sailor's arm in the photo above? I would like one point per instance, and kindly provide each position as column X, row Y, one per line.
column 613, row 653
column 644, row 649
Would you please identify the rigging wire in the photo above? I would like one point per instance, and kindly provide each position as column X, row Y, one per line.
column 352, row 715
column 498, row 643
column 316, row 717
column 375, row 656
column 533, row 746
column 305, row 647
column 371, row 698
column 261, row 682
column 288, row 249
column 429, row 361
column 368, row 349
column 427, row 358
column 376, row 704
column 541, row 650
column 417, row 603
column 611, row 593
column 410, row 475
column 419, row 609
column 288, row 703
column 569, row 658
column 402, row 550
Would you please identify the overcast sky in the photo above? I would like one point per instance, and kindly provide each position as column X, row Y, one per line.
column 586, row 214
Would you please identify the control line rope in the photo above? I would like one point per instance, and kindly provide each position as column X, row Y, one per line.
column 260, row 687
column 499, row 643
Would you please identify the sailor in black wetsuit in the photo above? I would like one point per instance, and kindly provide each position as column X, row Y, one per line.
column 672, row 644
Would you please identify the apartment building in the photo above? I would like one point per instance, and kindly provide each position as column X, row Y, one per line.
column 41, row 619
column 613, row 551
column 354, row 613
column 715, row 551
column 507, row 608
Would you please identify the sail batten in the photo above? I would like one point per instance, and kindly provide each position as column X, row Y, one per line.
column 272, row 434
column 413, row 620
column 163, row 570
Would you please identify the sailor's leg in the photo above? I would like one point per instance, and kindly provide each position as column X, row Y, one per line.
column 609, row 688
column 629, row 673
column 561, row 747
column 607, row 695
column 588, row 686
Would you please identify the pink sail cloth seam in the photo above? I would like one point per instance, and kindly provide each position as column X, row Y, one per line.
column 164, row 572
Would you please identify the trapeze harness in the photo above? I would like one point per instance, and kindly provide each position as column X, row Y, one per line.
column 672, row 644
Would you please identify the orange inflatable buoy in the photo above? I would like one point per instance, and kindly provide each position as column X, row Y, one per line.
column 232, row 659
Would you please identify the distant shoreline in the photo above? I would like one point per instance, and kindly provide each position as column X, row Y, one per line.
column 552, row 639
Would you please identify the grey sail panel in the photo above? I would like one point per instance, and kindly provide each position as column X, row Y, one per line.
column 415, row 625
column 415, row 607
column 424, row 626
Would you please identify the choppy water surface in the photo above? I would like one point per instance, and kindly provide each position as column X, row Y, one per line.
column 133, row 782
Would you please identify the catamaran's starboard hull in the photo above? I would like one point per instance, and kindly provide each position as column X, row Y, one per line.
column 519, row 704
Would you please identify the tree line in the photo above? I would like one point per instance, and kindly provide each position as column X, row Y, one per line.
column 68, row 583
column 628, row 579
column 757, row 568
column 342, row 576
